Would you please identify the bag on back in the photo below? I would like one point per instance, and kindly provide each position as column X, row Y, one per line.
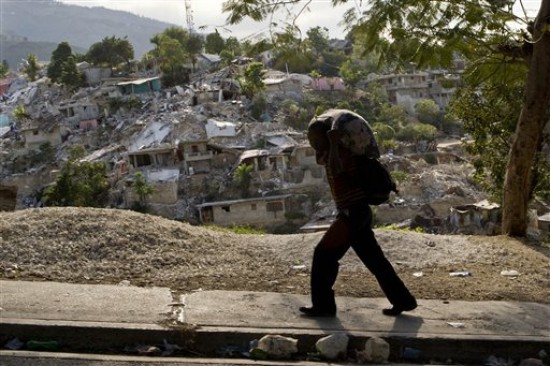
column 358, row 137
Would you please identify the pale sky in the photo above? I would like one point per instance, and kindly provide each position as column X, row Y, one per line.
column 209, row 13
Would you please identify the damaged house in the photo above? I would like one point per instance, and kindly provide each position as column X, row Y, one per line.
column 80, row 115
column 260, row 211
column 196, row 156
column 38, row 132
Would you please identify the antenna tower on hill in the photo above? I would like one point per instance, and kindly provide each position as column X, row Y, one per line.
column 189, row 17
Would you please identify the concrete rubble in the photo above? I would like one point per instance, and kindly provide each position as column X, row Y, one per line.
column 188, row 140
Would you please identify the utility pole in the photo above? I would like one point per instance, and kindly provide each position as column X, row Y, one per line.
column 189, row 17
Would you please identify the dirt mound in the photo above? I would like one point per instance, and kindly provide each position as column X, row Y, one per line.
column 85, row 245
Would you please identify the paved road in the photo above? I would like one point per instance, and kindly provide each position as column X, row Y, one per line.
column 106, row 317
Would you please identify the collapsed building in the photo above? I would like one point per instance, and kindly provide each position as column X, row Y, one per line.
column 187, row 143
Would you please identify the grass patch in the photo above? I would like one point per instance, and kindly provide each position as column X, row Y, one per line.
column 237, row 229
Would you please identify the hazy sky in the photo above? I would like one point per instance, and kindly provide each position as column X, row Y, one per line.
column 209, row 13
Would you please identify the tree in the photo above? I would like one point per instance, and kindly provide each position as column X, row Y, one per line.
column 171, row 55
column 430, row 33
column 329, row 62
column 80, row 184
column 194, row 46
column 242, row 177
column 31, row 67
column 59, row 56
column 352, row 72
column 233, row 45
column 428, row 112
column 318, row 38
column 214, row 43
column 142, row 189
column 71, row 78
column 292, row 53
column 111, row 52
column 252, row 79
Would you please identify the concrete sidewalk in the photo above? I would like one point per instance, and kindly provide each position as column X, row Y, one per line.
column 106, row 317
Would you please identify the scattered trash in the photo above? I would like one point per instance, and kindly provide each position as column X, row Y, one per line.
column 460, row 274
column 456, row 324
column 233, row 351
column 258, row 354
column 124, row 283
column 510, row 273
column 170, row 349
column 418, row 274
column 14, row 344
column 299, row 267
column 408, row 353
column 146, row 350
column 497, row 361
column 43, row 345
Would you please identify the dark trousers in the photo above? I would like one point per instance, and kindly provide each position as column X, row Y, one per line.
column 353, row 229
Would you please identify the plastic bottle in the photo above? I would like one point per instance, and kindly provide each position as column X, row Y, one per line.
column 43, row 345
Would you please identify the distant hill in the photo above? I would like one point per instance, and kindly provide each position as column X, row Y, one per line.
column 39, row 26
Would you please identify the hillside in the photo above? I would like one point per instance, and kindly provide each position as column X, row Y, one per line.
column 84, row 245
column 53, row 22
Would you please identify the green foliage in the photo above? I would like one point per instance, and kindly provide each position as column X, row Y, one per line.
column 20, row 113
column 430, row 158
column 214, row 43
column 392, row 115
column 452, row 125
column 352, row 72
column 172, row 55
column 115, row 104
column 428, row 112
column 318, row 38
column 252, row 79
column 134, row 102
column 242, row 178
column 80, row 184
column 4, row 69
column 31, row 67
column 194, row 46
column 233, row 45
column 226, row 57
column 59, row 57
column 394, row 227
column 292, row 54
column 111, row 52
column 143, row 190
column 71, row 78
column 383, row 131
column 417, row 132
column 399, row 176
column 259, row 106
column 293, row 115
column 490, row 115
column 330, row 62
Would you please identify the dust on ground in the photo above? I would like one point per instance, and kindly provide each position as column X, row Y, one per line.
column 107, row 246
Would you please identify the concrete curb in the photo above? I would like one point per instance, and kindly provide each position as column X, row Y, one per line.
column 111, row 319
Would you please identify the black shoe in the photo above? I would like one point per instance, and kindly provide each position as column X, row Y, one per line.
column 398, row 309
column 315, row 313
